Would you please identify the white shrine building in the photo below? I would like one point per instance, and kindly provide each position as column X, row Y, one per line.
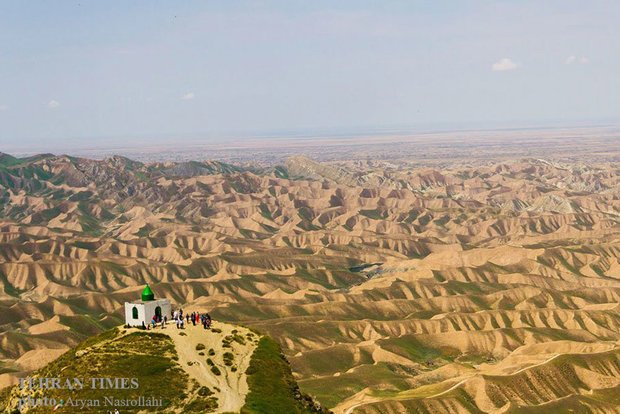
column 144, row 309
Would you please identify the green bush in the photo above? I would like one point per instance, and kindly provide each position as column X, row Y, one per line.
column 205, row 392
column 228, row 358
column 239, row 339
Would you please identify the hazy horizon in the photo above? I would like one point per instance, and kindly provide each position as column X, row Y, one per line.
column 71, row 71
column 124, row 145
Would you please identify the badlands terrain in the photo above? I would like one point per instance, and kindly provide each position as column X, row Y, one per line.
column 487, row 286
column 226, row 369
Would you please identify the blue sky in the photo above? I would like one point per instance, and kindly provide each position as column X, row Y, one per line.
column 71, row 70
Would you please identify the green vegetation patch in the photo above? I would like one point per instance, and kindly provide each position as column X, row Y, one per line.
column 7, row 160
column 264, row 211
column 321, row 362
column 281, row 172
column 229, row 358
column 148, row 357
column 272, row 386
column 411, row 348
column 90, row 224
column 332, row 390
column 84, row 245
column 201, row 405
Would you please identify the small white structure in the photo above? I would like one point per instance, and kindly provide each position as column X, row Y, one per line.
column 143, row 311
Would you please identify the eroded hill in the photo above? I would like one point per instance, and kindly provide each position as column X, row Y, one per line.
column 384, row 285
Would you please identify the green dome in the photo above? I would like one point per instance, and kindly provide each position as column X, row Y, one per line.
column 147, row 294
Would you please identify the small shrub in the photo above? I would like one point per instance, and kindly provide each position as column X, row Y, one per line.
column 228, row 358
column 239, row 339
column 216, row 330
column 210, row 362
column 216, row 370
column 211, row 352
column 205, row 392
column 200, row 347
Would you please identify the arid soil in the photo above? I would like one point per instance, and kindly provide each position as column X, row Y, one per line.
column 479, row 287
column 230, row 387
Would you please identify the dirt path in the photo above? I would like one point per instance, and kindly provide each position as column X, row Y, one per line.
column 232, row 386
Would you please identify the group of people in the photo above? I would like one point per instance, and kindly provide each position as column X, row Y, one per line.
column 194, row 318
column 180, row 319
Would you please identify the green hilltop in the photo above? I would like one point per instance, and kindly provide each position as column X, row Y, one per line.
column 151, row 358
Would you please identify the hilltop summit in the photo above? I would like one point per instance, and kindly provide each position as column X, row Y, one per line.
column 226, row 369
